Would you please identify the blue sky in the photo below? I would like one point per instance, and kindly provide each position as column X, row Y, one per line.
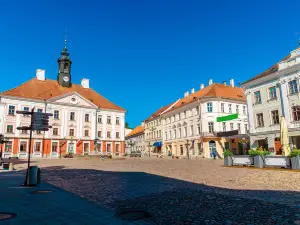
column 145, row 54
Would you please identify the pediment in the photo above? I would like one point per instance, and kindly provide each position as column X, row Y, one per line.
column 73, row 98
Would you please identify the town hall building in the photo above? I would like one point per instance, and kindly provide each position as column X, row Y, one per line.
column 83, row 121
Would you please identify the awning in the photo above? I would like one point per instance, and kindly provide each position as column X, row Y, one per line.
column 157, row 144
column 228, row 133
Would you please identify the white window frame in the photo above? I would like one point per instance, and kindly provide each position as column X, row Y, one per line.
column 54, row 154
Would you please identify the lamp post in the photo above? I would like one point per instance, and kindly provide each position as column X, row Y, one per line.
column 149, row 146
column 187, row 148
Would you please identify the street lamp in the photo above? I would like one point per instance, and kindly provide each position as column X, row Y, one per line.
column 187, row 148
column 149, row 146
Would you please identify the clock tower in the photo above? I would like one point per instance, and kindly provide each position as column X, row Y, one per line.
column 64, row 68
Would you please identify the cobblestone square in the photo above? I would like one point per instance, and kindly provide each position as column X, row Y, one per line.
column 181, row 191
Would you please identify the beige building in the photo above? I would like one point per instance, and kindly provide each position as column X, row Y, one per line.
column 190, row 126
column 270, row 95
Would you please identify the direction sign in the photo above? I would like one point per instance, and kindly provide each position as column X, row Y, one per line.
column 24, row 112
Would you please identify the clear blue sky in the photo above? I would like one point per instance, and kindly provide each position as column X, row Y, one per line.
column 144, row 54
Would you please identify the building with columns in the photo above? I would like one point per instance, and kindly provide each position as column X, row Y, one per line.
column 83, row 122
column 190, row 126
column 270, row 95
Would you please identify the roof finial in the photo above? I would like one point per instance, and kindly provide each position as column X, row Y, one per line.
column 65, row 37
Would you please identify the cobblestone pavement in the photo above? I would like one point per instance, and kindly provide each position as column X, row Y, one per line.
column 182, row 191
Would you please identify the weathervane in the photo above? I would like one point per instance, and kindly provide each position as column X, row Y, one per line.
column 65, row 37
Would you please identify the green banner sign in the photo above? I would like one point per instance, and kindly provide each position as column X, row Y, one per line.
column 226, row 118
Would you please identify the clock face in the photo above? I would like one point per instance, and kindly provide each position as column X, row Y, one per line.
column 66, row 78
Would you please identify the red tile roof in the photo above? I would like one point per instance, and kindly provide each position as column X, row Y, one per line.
column 158, row 112
column 137, row 130
column 44, row 90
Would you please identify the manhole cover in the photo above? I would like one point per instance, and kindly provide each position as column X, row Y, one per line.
column 132, row 215
column 42, row 192
column 7, row 215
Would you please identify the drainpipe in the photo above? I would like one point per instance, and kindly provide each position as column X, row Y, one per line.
column 45, row 101
column 96, row 131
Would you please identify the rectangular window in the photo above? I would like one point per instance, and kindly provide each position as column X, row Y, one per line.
column 184, row 114
column 185, row 131
column 244, row 110
column 40, row 110
column 272, row 93
column 72, row 116
column 170, row 135
column 117, row 120
column 56, row 114
column 231, row 126
column 24, row 132
column 23, row 146
column 275, row 117
column 108, row 134
column 222, row 107
column 99, row 133
column 26, row 109
column 239, row 128
column 55, row 131
column 210, row 127
column 257, row 97
column 71, row 132
column 179, row 132
column 293, row 87
column 38, row 132
column 192, row 130
column 108, row 147
column 9, row 129
column 224, row 126
column 8, row 146
column 296, row 113
column 11, row 110
column 181, row 149
column 159, row 133
column 54, row 146
column 198, row 128
column 37, row 147
column 246, row 128
column 87, row 117
column 99, row 119
column 230, row 108
column 117, row 147
column 260, row 119
column 166, row 136
column 237, row 109
column 108, row 120
column 175, row 134
column 117, row 134
column 209, row 107
column 86, row 133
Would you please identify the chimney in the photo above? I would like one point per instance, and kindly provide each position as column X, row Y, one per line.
column 210, row 82
column 85, row 83
column 192, row 90
column 231, row 82
column 224, row 82
column 186, row 94
column 40, row 74
column 201, row 86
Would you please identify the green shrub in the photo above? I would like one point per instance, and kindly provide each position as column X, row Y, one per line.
column 295, row 153
column 227, row 153
column 253, row 152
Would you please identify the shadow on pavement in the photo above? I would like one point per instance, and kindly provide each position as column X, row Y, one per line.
column 172, row 201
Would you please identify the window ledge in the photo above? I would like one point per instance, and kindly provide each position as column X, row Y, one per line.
column 12, row 115
column 272, row 99
column 256, row 103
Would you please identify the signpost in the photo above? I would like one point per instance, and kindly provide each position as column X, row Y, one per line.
column 39, row 121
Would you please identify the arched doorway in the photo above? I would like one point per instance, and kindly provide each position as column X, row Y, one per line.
column 212, row 147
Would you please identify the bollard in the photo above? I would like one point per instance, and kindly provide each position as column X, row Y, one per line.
column 11, row 167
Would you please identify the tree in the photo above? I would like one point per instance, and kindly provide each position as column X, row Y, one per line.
column 127, row 125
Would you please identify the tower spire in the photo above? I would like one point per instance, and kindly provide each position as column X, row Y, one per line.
column 65, row 38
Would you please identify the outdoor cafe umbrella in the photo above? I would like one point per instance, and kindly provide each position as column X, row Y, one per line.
column 284, row 139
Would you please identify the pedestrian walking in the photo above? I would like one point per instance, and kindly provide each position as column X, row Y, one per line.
column 102, row 157
column 214, row 153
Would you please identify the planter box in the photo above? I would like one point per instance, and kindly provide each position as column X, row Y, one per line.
column 242, row 160
column 258, row 162
column 296, row 163
column 277, row 161
column 228, row 161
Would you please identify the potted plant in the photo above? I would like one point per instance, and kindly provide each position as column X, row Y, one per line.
column 295, row 159
column 258, row 156
column 228, row 158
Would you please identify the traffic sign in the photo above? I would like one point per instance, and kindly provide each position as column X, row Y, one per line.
column 23, row 128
